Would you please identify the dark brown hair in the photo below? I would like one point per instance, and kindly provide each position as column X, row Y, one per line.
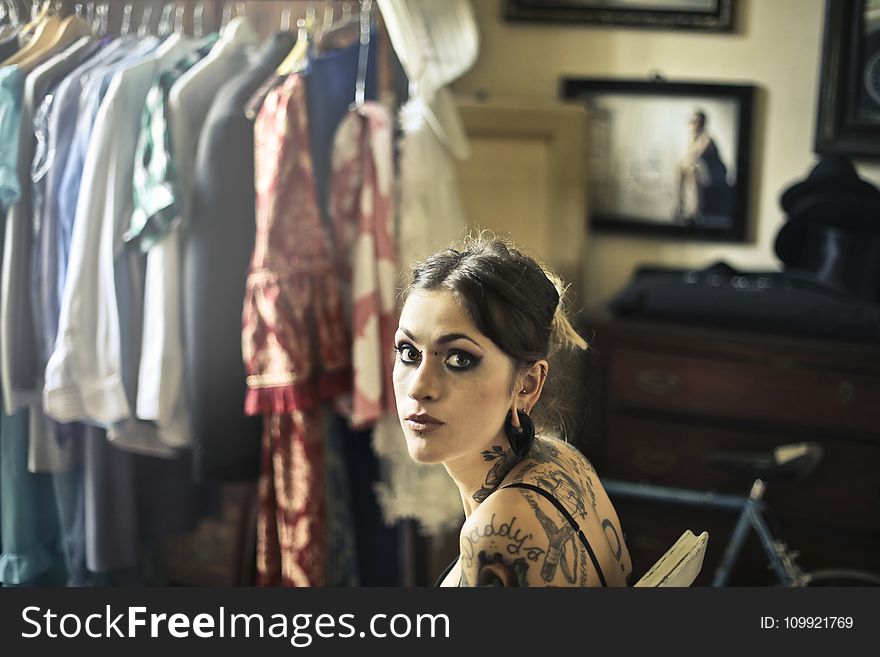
column 512, row 299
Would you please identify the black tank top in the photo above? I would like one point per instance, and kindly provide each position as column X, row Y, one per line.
column 564, row 512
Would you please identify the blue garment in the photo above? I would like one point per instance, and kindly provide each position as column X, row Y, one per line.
column 44, row 157
column 61, row 120
column 54, row 124
column 368, row 555
column 31, row 549
column 11, row 94
column 330, row 88
column 31, row 552
column 378, row 545
column 94, row 88
column 27, row 540
column 342, row 565
column 18, row 343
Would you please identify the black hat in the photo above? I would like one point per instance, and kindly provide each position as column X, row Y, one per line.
column 833, row 175
column 832, row 235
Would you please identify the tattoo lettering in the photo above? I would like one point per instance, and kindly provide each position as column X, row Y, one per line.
column 505, row 530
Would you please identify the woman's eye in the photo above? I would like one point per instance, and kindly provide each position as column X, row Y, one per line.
column 460, row 361
column 407, row 353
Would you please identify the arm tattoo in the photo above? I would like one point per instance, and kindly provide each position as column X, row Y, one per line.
column 503, row 535
column 498, row 539
column 550, row 473
column 558, row 537
column 494, row 571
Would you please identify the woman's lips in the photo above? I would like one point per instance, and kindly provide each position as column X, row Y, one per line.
column 423, row 426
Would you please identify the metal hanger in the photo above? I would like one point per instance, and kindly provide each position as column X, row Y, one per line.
column 165, row 24
column 10, row 11
column 39, row 11
column 178, row 19
column 363, row 56
column 300, row 49
column 227, row 16
column 199, row 19
column 285, row 19
column 343, row 31
column 125, row 28
column 146, row 15
column 103, row 17
column 327, row 21
column 240, row 10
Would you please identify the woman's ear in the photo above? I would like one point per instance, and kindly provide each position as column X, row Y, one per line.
column 531, row 383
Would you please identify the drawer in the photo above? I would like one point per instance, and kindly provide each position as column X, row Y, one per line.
column 780, row 391
column 843, row 491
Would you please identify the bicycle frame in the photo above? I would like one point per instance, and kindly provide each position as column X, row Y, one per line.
column 751, row 510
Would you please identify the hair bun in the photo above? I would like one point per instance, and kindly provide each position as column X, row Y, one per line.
column 563, row 335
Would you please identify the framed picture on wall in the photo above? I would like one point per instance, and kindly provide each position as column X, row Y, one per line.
column 848, row 121
column 667, row 158
column 706, row 15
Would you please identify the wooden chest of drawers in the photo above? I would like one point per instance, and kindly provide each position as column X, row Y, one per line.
column 661, row 396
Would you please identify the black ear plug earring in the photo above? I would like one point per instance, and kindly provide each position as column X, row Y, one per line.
column 521, row 438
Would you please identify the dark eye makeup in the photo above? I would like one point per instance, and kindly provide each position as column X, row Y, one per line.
column 457, row 360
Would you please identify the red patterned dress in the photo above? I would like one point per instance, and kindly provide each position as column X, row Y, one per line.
column 361, row 212
column 294, row 341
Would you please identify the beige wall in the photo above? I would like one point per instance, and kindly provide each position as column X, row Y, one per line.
column 776, row 47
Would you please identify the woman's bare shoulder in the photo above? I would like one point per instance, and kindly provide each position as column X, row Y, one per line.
column 561, row 470
column 506, row 542
column 501, row 541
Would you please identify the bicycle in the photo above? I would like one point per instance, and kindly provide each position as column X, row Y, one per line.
column 793, row 461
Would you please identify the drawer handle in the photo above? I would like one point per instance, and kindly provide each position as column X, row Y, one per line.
column 846, row 392
column 654, row 461
column 658, row 382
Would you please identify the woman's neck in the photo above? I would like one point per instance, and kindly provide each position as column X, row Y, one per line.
column 478, row 474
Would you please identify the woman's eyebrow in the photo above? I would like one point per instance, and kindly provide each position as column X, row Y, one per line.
column 443, row 339
column 449, row 337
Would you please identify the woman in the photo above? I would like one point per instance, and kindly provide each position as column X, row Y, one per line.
column 477, row 329
column 703, row 190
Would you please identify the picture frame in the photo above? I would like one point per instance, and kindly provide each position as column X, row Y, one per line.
column 667, row 158
column 700, row 15
column 848, row 117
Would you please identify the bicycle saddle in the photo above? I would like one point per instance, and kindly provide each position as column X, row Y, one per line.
column 785, row 462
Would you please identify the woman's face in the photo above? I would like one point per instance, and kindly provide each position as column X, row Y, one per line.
column 452, row 383
column 696, row 124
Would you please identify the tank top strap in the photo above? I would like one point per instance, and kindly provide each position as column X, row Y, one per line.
column 569, row 518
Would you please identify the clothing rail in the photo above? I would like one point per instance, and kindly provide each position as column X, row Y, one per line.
column 267, row 16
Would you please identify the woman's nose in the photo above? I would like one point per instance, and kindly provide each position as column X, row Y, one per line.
column 425, row 383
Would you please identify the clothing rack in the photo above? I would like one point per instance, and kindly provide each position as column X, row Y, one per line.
column 267, row 15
